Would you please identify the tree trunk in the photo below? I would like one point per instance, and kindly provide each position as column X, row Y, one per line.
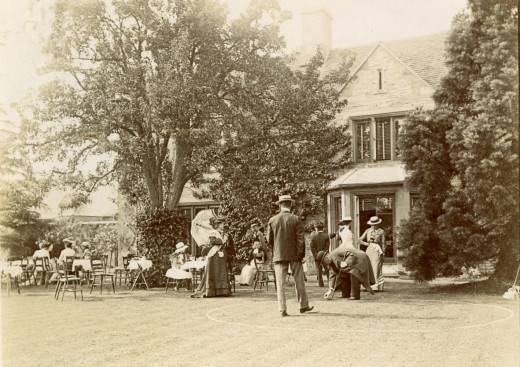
column 153, row 184
column 178, row 154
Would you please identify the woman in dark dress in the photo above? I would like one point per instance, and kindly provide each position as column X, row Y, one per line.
column 215, row 281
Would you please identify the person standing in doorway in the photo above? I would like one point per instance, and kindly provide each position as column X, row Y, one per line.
column 320, row 242
column 285, row 237
column 345, row 235
column 373, row 240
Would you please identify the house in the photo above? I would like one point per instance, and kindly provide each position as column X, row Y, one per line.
column 390, row 80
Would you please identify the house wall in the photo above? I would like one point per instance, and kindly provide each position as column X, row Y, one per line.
column 402, row 90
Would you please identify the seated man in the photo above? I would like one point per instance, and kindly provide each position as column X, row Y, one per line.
column 349, row 267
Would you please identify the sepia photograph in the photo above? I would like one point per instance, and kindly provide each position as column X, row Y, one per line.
column 259, row 183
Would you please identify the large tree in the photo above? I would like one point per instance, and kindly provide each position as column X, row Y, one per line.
column 474, row 212
column 148, row 87
column 289, row 146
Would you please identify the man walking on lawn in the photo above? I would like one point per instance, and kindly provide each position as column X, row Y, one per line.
column 285, row 237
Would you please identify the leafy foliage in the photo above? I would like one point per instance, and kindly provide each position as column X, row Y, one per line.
column 158, row 231
column 464, row 154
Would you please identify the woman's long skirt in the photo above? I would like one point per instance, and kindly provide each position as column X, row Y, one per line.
column 376, row 260
column 215, row 281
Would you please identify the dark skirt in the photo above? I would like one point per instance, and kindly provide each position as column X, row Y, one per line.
column 215, row 281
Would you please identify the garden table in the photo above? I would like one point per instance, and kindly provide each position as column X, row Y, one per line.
column 138, row 267
column 84, row 263
column 10, row 272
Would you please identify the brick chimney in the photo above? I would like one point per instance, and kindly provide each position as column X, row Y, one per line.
column 316, row 32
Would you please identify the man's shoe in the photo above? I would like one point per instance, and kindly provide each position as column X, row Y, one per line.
column 354, row 299
column 306, row 309
column 284, row 314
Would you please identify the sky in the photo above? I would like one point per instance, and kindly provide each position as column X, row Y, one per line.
column 355, row 22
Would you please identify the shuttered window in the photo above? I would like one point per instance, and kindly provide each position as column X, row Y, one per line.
column 383, row 139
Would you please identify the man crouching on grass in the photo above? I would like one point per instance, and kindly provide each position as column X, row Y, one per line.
column 349, row 267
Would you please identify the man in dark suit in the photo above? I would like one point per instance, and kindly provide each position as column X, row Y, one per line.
column 320, row 242
column 285, row 236
column 345, row 261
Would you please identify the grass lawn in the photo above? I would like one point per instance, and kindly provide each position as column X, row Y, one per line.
column 406, row 325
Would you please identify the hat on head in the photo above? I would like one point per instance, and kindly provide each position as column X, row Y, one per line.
column 68, row 240
column 283, row 198
column 85, row 244
column 255, row 222
column 320, row 256
column 374, row 220
column 345, row 220
column 43, row 244
column 180, row 247
column 215, row 220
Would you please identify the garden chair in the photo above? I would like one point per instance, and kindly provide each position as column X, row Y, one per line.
column 68, row 281
column 51, row 270
column 27, row 271
column 262, row 275
column 8, row 280
column 119, row 271
column 41, row 265
column 98, row 274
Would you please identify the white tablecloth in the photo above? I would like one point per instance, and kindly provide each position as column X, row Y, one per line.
column 195, row 264
column 14, row 271
column 145, row 264
column 85, row 263
column 175, row 273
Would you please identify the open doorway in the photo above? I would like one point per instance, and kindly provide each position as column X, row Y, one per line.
column 381, row 205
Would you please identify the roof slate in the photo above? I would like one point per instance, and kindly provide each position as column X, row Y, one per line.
column 424, row 55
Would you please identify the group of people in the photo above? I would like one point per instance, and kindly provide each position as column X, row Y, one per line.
column 45, row 248
column 283, row 248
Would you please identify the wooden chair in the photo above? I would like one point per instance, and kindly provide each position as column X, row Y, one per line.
column 68, row 281
column 262, row 275
column 51, row 270
column 122, row 270
column 27, row 271
column 41, row 265
column 98, row 272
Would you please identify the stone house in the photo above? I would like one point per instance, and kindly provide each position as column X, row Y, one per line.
column 390, row 79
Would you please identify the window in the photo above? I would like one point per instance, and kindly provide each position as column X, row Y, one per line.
column 379, row 79
column 375, row 138
column 398, row 125
column 363, row 140
column 383, row 139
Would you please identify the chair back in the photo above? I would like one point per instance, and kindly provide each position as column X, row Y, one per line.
column 126, row 261
column 39, row 263
column 68, row 264
column 258, row 261
column 97, row 264
column 24, row 262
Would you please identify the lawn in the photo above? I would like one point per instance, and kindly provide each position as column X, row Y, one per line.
column 406, row 325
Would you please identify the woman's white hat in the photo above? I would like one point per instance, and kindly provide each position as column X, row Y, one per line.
column 374, row 220
column 85, row 244
column 180, row 247
column 346, row 219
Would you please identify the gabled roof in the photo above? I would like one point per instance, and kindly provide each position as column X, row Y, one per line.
column 422, row 55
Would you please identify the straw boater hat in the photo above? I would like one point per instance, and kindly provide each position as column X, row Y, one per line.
column 255, row 222
column 180, row 247
column 85, row 244
column 345, row 220
column 374, row 220
column 283, row 198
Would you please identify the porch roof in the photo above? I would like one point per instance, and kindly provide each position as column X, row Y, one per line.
column 362, row 176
